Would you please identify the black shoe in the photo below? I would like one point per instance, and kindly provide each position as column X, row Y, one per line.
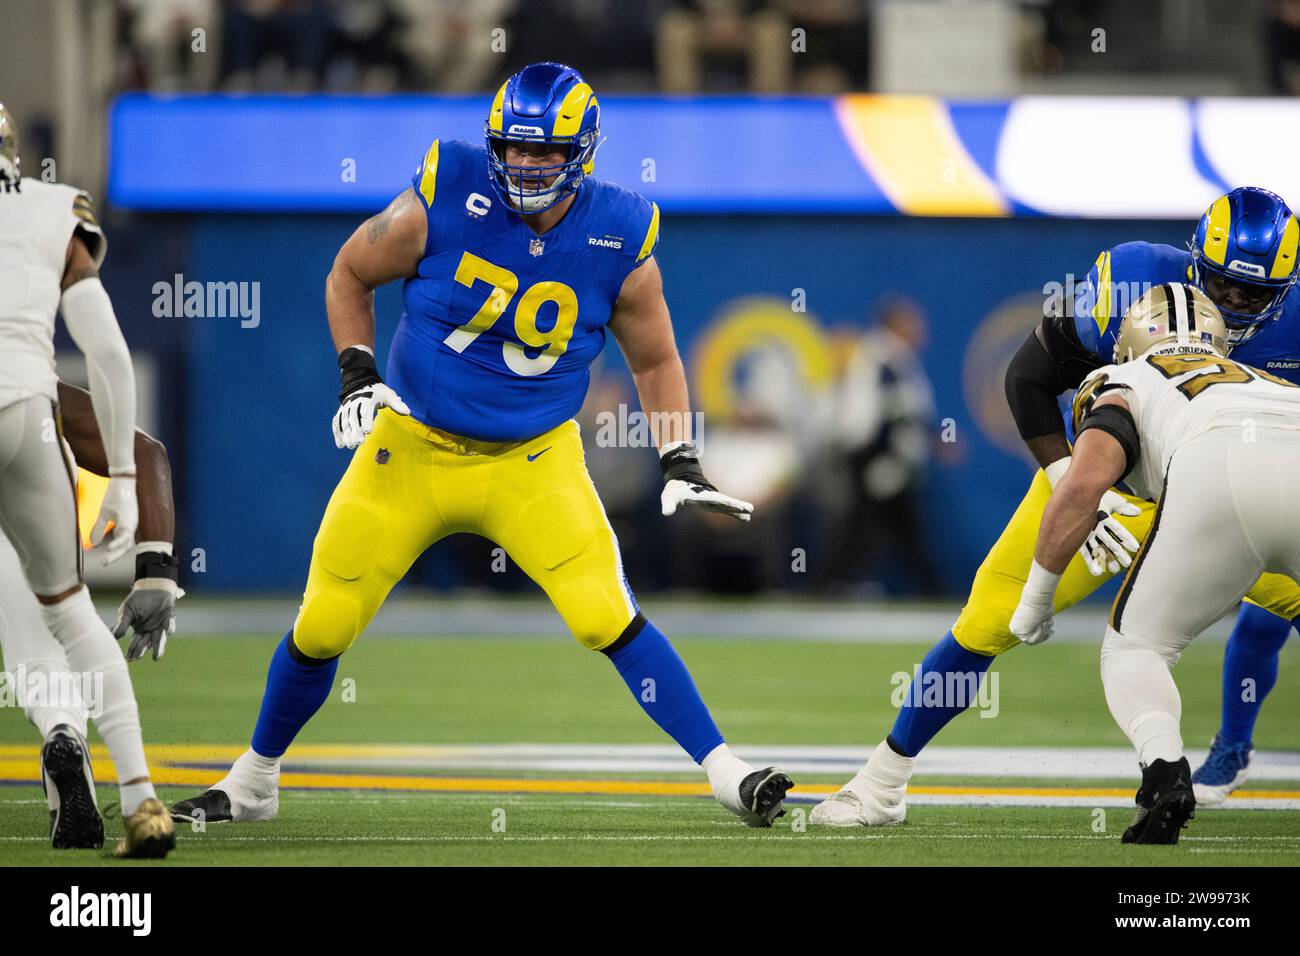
column 212, row 806
column 69, row 782
column 763, row 792
column 1165, row 803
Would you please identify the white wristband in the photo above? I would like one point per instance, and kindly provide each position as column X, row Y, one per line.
column 153, row 547
column 1056, row 470
column 1040, row 586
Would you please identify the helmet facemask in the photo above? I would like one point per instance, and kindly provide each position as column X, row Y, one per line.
column 1242, row 325
column 531, row 189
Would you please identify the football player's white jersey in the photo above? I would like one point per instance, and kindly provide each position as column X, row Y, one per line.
column 37, row 220
column 1177, row 396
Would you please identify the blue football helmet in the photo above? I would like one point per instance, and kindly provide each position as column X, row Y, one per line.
column 1246, row 242
column 543, row 103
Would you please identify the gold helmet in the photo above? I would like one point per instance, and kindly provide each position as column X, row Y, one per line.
column 1171, row 314
column 8, row 145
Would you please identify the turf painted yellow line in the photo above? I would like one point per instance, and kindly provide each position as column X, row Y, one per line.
column 19, row 764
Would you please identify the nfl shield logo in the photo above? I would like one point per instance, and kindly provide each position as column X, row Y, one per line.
column 382, row 456
column 535, row 247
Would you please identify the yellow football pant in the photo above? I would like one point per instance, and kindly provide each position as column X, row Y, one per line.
column 409, row 485
column 984, row 624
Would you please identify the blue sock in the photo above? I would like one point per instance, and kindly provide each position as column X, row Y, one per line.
column 922, row 715
column 1251, row 655
column 296, row 686
column 660, row 682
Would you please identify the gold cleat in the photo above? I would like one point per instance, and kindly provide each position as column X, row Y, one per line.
column 150, row 833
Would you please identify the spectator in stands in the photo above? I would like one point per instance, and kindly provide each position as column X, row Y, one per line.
column 290, row 36
column 724, row 44
column 1282, row 38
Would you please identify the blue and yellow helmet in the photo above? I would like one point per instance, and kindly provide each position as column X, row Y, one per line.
column 543, row 103
column 1246, row 240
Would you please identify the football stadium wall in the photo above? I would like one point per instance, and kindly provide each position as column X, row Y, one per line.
column 954, row 205
column 259, row 461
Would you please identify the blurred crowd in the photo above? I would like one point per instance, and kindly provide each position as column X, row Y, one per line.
column 673, row 46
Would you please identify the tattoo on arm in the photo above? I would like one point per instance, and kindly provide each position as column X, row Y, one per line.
column 379, row 225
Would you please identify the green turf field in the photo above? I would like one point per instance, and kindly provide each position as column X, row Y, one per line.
column 500, row 690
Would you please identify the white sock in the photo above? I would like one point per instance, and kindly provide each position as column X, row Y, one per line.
column 91, row 649
column 884, row 770
column 1143, row 699
column 47, row 713
column 725, row 770
column 134, row 794
column 253, row 761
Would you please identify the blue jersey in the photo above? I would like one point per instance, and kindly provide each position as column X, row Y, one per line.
column 501, row 325
column 1125, row 272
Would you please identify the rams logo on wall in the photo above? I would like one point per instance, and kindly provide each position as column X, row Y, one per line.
column 996, row 340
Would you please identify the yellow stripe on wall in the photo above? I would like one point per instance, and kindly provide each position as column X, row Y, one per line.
column 907, row 144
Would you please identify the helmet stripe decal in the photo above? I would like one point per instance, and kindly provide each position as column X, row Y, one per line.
column 1215, row 244
column 572, row 110
column 1176, row 296
column 498, row 105
column 1285, row 262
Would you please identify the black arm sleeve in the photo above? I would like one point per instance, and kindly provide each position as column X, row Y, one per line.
column 1118, row 423
column 1051, row 361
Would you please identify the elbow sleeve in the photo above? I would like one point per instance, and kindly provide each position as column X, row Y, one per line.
column 88, row 314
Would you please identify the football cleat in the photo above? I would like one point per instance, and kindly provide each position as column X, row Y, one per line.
column 860, row 808
column 1226, row 768
column 876, row 797
column 150, row 833
column 1165, row 803
column 245, row 795
column 69, row 782
column 762, row 796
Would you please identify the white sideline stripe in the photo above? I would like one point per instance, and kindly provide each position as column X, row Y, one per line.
column 845, row 622
column 1022, row 763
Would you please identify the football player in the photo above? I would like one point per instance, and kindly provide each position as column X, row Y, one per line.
column 38, row 663
column 51, row 247
column 514, row 262
column 1243, row 256
column 1219, row 444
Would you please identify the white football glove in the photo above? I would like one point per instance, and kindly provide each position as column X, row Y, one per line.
column 120, row 508
column 356, row 415
column 1110, row 544
column 362, row 395
column 1032, row 621
column 685, row 484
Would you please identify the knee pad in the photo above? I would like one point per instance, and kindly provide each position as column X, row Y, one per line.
column 327, row 624
column 985, row 629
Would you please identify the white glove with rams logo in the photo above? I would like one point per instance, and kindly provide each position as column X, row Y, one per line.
column 685, row 484
column 362, row 395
